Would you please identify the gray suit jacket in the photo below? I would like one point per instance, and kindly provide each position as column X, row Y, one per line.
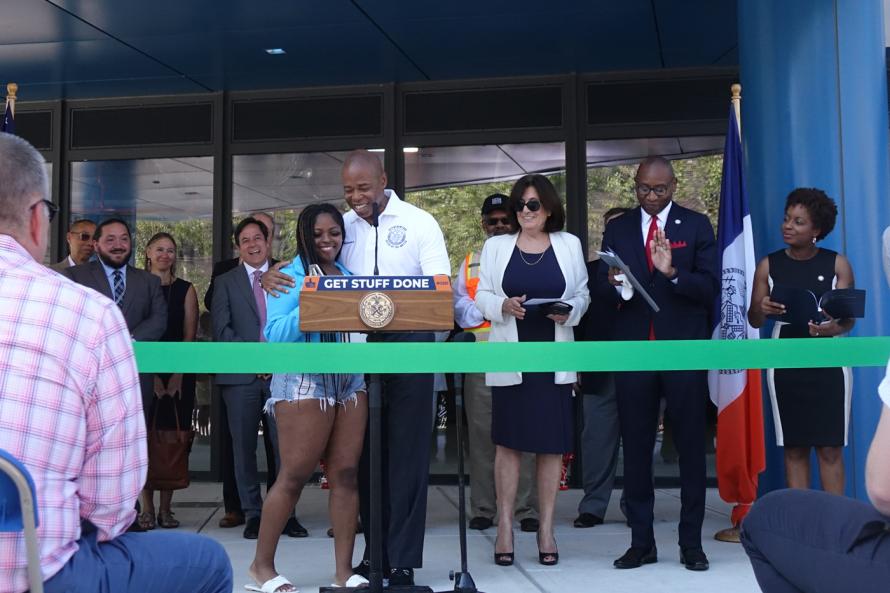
column 60, row 266
column 235, row 316
column 144, row 307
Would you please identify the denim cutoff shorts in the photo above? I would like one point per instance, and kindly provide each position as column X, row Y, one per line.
column 328, row 389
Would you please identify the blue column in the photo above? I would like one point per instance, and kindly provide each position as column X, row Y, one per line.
column 814, row 114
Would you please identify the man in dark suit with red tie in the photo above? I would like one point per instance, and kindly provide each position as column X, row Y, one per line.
column 672, row 252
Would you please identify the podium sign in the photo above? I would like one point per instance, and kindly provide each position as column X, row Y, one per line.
column 376, row 303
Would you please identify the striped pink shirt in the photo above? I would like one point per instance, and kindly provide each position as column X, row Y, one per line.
column 70, row 410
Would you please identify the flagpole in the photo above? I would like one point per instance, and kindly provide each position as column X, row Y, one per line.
column 736, row 100
column 11, row 89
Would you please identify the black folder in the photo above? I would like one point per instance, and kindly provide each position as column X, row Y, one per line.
column 802, row 306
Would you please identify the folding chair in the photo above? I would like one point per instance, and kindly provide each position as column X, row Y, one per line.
column 18, row 512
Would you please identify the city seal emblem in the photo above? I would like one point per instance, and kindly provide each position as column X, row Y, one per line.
column 397, row 236
column 376, row 310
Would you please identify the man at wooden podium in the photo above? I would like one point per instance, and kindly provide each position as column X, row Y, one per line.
column 389, row 237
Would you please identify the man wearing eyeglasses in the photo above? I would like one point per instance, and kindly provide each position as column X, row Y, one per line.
column 72, row 415
column 80, row 244
column 671, row 251
column 496, row 221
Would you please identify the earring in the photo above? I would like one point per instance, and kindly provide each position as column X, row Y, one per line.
column 814, row 240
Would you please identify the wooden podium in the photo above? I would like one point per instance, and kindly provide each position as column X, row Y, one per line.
column 371, row 304
column 376, row 303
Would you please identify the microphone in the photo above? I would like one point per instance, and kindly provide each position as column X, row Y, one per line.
column 375, row 222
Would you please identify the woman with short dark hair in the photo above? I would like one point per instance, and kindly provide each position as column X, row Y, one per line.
column 811, row 406
column 531, row 411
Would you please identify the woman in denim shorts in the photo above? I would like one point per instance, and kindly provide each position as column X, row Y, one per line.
column 318, row 415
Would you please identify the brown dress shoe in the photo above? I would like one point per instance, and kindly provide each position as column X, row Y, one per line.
column 231, row 520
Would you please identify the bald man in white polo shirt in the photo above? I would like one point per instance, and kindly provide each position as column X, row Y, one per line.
column 409, row 242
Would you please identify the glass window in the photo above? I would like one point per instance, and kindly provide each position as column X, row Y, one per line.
column 154, row 195
column 611, row 165
column 451, row 182
column 282, row 185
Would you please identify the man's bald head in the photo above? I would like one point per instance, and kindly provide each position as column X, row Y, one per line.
column 22, row 181
column 657, row 163
column 365, row 160
column 364, row 182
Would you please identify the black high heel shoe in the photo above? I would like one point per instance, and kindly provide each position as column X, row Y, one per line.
column 503, row 558
column 546, row 558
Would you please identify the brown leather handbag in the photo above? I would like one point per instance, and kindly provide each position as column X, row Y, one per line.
column 168, row 455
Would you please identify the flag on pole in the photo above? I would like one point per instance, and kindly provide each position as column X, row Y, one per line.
column 8, row 123
column 736, row 392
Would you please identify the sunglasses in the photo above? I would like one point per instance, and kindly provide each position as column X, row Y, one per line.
column 496, row 220
column 532, row 205
column 83, row 236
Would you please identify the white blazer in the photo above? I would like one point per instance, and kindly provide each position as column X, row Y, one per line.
column 496, row 254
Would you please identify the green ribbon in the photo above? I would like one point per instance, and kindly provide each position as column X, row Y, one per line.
column 429, row 357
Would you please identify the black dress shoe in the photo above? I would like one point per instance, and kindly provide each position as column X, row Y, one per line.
column 587, row 520
column 401, row 577
column 252, row 528
column 694, row 559
column 529, row 525
column 293, row 529
column 637, row 557
column 480, row 523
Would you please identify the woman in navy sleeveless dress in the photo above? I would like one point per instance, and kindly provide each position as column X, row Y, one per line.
column 531, row 411
column 811, row 407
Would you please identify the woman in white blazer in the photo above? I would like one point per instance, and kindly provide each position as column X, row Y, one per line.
column 531, row 411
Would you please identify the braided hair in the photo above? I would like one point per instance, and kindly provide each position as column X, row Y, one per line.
column 306, row 249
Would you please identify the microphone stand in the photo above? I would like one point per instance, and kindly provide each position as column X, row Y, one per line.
column 375, row 529
column 376, row 224
column 463, row 582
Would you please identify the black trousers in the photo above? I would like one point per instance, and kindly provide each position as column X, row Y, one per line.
column 231, row 500
column 807, row 541
column 406, row 430
column 639, row 395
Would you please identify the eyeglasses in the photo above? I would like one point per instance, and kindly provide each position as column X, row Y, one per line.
column 532, row 205
column 496, row 220
column 83, row 236
column 643, row 189
column 51, row 209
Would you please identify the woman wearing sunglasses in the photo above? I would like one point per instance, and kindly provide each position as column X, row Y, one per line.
column 533, row 288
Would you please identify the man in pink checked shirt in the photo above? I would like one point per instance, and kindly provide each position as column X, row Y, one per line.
column 71, row 411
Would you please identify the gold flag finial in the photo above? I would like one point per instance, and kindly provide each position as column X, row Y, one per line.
column 11, row 89
column 736, row 101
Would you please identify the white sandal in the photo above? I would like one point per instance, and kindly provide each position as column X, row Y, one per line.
column 354, row 581
column 271, row 586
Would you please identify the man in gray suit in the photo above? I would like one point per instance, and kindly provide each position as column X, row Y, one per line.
column 136, row 292
column 239, row 315
column 80, row 244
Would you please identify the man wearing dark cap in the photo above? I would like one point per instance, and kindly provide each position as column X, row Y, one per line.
column 496, row 220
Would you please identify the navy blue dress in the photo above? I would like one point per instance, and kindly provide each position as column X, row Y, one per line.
column 535, row 415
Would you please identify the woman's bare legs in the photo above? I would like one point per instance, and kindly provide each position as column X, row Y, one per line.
column 831, row 469
column 549, row 472
column 299, row 456
column 506, row 480
column 342, row 459
column 797, row 467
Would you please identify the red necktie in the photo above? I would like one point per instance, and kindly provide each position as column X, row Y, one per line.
column 650, row 237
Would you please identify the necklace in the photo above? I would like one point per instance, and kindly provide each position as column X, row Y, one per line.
column 534, row 263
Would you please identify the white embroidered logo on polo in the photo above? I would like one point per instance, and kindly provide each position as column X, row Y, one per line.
column 397, row 236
